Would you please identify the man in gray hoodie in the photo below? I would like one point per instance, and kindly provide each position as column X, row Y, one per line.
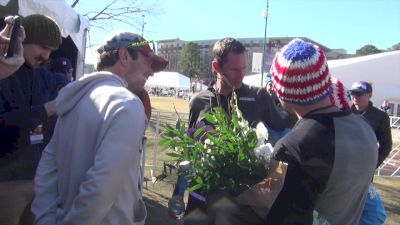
column 90, row 172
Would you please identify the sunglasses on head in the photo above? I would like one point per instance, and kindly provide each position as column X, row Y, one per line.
column 143, row 46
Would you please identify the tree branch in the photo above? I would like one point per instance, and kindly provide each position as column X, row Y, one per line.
column 74, row 4
column 103, row 10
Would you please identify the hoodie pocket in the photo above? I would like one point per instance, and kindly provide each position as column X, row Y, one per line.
column 140, row 213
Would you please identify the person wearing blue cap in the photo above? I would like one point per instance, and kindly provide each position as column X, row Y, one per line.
column 361, row 93
column 63, row 65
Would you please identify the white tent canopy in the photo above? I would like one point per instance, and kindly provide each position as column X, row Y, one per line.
column 70, row 22
column 169, row 79
column 255, row 80
column 382, row 70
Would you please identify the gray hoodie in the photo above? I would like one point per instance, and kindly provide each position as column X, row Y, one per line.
column 89, row 173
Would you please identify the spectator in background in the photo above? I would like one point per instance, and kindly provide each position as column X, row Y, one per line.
column 62, row 78
column 361, row 93
column 90, row 172
column 385, row 106
column 62, row 70
column 63, row 65
column 8, row 66
column 327, row 169
column 26, row 101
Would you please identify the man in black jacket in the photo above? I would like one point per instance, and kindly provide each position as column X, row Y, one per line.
column 256, row 105
column 361, row 93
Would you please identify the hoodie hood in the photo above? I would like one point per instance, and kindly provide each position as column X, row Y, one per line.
column 71, row 94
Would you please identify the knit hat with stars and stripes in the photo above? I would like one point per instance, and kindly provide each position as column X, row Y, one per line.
column 339, row 95
column 300, row 73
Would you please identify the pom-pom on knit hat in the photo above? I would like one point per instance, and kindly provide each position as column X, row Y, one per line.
column 339, row 95
column 41, row 30
column 300, row 73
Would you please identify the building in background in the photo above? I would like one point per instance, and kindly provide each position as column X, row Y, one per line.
column 339, row 53
column 171, row 50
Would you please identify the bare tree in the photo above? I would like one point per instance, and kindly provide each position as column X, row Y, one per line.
column 129, row 12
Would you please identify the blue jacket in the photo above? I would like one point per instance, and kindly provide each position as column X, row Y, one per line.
column 22, row 96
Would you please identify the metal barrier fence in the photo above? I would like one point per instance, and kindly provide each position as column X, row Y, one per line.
column 156, row 125
column 391, row 165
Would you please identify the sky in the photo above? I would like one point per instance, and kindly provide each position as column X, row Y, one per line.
column 347, row 24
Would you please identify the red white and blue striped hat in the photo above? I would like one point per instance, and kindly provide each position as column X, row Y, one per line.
column 300, row 73
column 340, row 96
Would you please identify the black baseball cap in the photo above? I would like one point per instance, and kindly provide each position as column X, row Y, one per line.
column 361, row 87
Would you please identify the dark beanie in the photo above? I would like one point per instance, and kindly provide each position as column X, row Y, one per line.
column 41, row 30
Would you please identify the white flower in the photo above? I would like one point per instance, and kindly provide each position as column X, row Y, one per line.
column 243, row 124
column 262, row 133
column 208, row 142
column 264, row 151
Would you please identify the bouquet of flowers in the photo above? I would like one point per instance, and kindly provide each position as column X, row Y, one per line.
column 226, row 155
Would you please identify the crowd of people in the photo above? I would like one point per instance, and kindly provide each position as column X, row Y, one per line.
column 88, row 167
column 170, row 92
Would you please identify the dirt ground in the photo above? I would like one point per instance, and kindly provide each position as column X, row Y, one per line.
column 157, row 196
column 389, row 190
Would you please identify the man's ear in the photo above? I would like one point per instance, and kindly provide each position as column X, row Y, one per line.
column 215, row 66
column 123, row 55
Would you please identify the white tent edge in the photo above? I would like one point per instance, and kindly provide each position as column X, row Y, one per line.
column 70, row 22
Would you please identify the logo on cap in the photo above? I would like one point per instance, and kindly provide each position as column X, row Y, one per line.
column 361, row 87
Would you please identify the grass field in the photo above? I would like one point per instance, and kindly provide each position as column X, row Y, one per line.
column 157, row 195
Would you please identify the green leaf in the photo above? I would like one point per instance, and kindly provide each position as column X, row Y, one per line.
column 174, row 154
column 210, row 118
column 166, row 142
column 230, row 146
column 235, row 122
column 195, row 187
column 214, row 139
column 170, row 133
column 178, row 124
column 198, row 132
column 199, row 180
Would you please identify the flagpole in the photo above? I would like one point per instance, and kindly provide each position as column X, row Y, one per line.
column 264, row 45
